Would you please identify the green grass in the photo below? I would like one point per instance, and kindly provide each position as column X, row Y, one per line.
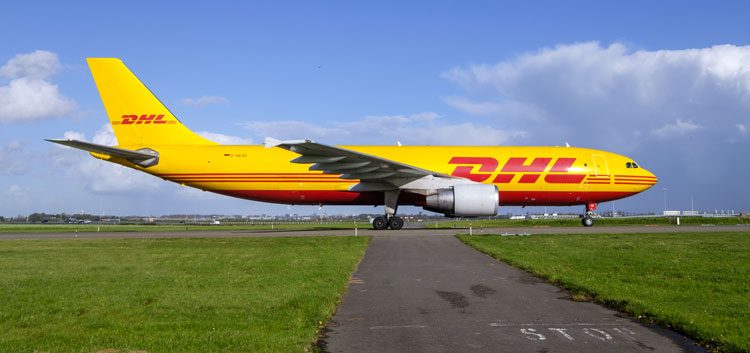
column 698, row 284
column 576, row 222
column 171, row 295
column 72, row 228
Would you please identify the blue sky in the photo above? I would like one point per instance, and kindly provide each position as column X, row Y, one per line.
column 665, row 83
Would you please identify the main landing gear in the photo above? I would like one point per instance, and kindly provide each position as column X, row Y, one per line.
column 383, row 222
column 390, row 220
column 587, row 219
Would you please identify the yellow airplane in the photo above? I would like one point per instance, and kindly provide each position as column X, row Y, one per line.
column 457, row 181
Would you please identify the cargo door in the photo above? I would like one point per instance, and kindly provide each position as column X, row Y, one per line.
column 600, row 165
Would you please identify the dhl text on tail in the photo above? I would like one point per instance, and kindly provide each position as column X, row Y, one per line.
column 453, row 180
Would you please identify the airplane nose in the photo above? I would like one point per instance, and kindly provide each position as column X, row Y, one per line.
column 650, row 177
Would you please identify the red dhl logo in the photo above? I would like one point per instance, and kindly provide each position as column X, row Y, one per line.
column 530, row 172
column 145, row 119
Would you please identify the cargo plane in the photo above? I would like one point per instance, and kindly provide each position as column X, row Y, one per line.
column 458, row 181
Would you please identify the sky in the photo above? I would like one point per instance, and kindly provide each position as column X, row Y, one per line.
column 666, row 83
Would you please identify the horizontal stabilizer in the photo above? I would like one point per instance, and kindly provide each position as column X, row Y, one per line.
column 143, row 157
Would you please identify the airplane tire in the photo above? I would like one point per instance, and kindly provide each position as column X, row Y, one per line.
column 396, row 223
column 379, row 223
column 587, row 221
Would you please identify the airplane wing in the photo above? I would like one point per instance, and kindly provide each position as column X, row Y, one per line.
column 374, row 173
column 144, row 157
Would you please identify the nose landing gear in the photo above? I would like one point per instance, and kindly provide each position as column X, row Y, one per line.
column 587, row 220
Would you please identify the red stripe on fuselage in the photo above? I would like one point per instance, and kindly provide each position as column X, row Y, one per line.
column 635, row 176
column 564, row 178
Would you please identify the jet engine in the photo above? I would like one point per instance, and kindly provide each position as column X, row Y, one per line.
column 466, row 200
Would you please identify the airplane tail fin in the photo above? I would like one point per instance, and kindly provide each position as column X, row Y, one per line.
column 138, row 118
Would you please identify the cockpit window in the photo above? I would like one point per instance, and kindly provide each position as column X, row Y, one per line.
column 628, row 165
column 635, row 165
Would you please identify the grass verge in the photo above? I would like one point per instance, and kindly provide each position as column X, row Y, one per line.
column 171, row 295
column 697, row 284
column 576, row 222
column 72, row 228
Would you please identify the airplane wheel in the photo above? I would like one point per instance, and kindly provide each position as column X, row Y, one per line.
column 379, row 223
column 587, row 221
column 396, row 223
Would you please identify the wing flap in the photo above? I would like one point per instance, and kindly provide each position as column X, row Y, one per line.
column 339, row 166
column 316, row 159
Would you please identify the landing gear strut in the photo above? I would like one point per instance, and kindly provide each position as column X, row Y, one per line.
column 390, row 220
column 587, row 219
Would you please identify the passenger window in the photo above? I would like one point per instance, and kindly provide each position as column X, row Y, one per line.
column 628, row 165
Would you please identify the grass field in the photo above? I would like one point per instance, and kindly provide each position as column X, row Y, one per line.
column 171, row 295
column 698, row 284
column 576, row 222
column 61, row 228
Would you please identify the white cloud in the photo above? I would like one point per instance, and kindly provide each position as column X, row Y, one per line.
column 225, row 139
column 26, row 99
column 105, row 177
column 30, row 95
column 39, row 64
column 426, row 128
column 105, row 136
column 203, row 101
column 679, row 128
column 13, row 159
column 475, row 108
column 742, row 128
column 508, row 109
column 593, row 93
column 74, row 135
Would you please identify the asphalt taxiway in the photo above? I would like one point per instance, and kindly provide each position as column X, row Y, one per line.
column 415, row 293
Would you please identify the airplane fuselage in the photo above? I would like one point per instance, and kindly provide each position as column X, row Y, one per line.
column 524, row 176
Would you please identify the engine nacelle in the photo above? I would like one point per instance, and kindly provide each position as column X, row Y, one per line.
column 465, row 200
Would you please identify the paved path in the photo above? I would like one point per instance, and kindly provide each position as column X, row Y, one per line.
column 368, row 231
column 416, row 293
